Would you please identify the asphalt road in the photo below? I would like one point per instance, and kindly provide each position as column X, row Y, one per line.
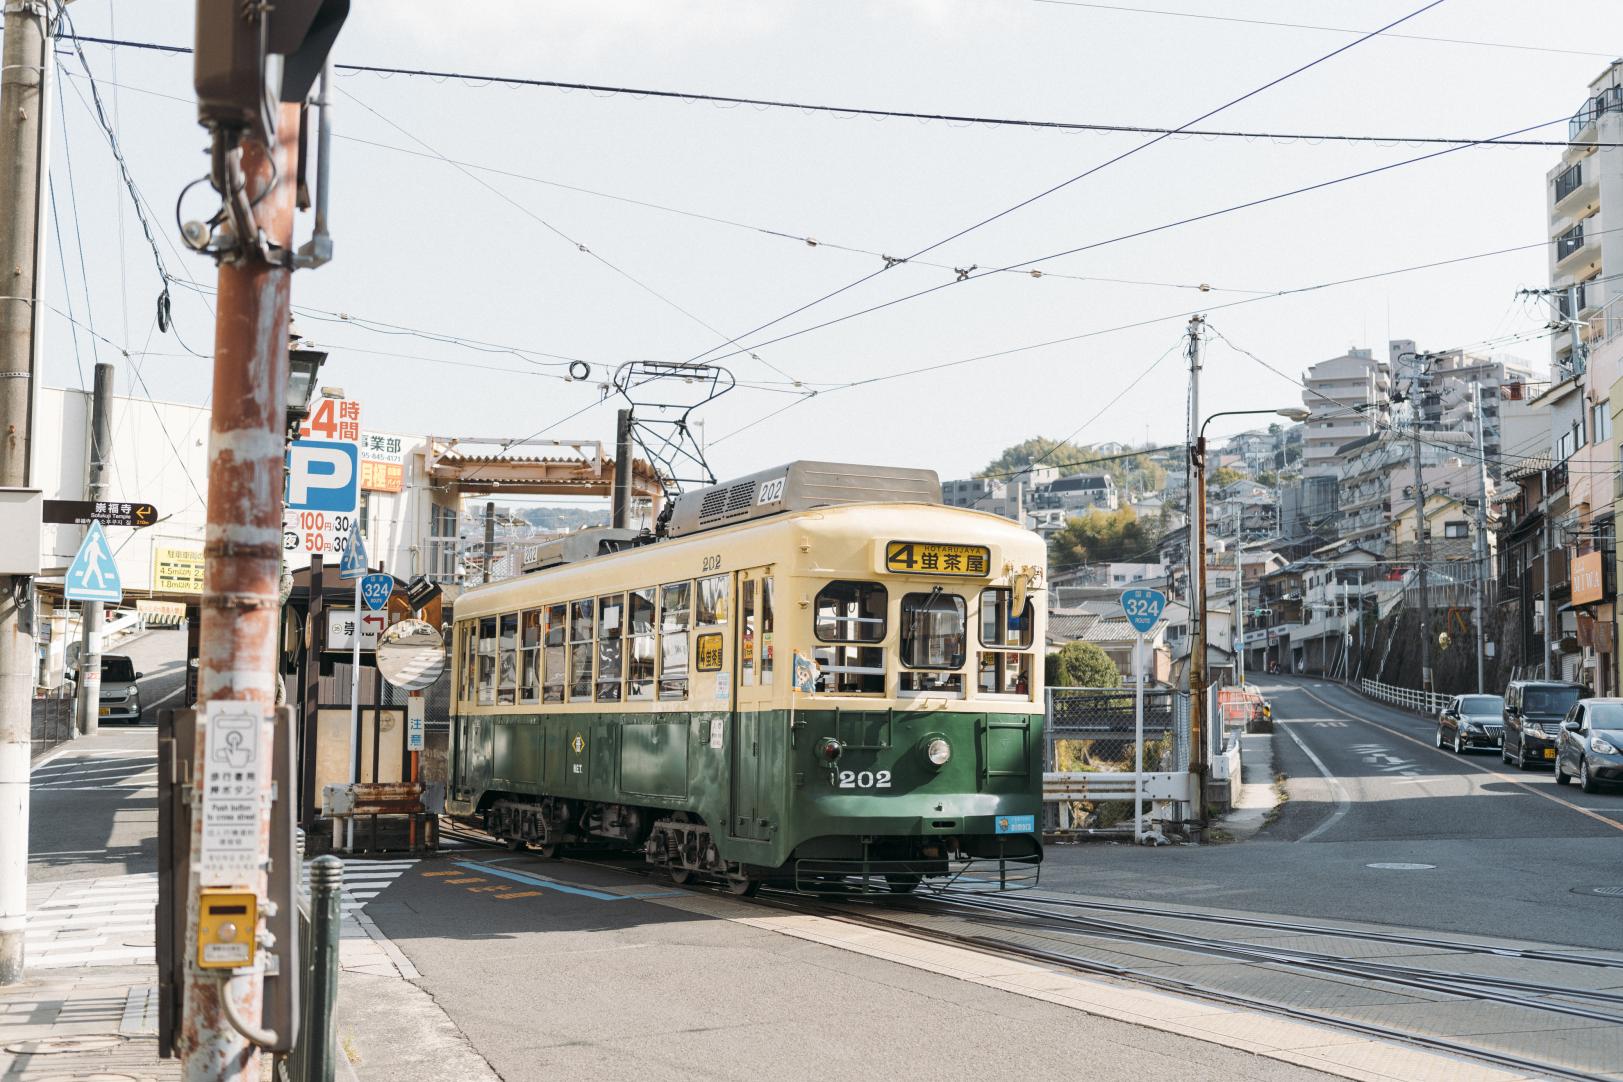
column 100, row 818
column 1506, row 853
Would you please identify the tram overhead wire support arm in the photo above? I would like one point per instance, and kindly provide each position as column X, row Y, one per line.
column 663, row 395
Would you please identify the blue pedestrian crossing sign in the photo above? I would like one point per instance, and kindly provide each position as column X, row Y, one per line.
column 353, row 565
column 94, row 574
column 1143, row 607
column 375, row 590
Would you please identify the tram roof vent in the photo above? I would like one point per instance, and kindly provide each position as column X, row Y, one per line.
column 799, row 486
column 575, row 547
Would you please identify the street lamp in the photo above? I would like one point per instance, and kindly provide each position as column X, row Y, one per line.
column 1197, row 597
column 303, row 364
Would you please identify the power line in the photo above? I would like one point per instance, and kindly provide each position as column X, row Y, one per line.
column 1310, row 26
column 67, row 290
column 1123, row 156
column 955, row 119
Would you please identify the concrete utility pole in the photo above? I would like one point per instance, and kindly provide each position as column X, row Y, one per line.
column 90, row 616
column 1238, row 623
column 1420, row 534
column 1198, row 739
column 1549, row 616
column 25, row 76
column 240, row 606
column 1479, row 544
column 490, row 536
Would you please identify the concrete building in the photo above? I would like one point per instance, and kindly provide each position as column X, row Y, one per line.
column 1332, row 391
column 1584, row 192
column 1079, row 492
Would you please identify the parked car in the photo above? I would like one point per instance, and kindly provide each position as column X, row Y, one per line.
column 120, row 694
column 1534, row 711
column 1472, row 721
column 1591, row 744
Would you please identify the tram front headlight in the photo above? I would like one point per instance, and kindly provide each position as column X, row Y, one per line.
column 937, row 750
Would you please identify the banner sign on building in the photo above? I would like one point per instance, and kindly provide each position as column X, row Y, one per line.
column 323, row 482
column 1588, row 579
column 383, row 462
column 177, row 570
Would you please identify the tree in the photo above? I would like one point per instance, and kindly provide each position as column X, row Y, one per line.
column 1100, row 537
column 1268, row 477
column 1135, row 472
column 1081, row 665
column 1224, row 476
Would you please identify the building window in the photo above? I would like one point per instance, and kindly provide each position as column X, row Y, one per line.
column 1455, row 529
column 1602, row 421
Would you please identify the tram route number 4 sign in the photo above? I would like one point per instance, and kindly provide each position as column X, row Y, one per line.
column 1142, row 608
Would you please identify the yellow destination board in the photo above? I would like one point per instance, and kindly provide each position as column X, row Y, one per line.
column 930, row 558
column 707, row 652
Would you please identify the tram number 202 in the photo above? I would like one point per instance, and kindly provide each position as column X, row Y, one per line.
column 864, row 779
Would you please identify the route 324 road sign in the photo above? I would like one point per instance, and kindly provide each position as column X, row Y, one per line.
column 375, row 590
column 1142, row 608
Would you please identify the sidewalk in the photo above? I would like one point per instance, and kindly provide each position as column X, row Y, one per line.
column 87, row 1007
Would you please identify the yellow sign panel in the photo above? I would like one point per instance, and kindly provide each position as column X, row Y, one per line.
column 1588, row 579
column 177, row 570
column 382, row 476
column 929, row 558
column 226, row 925
column 708, row 652
column 578, row 744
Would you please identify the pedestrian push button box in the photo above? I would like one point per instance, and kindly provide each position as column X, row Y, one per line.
column 225, row 929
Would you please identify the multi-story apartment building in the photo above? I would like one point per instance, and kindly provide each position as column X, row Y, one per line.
column 1585, row 196
column 1444, row 402
column 1347, row 397
column 1377, row 477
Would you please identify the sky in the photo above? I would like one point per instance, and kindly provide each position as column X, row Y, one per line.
column 485, row 235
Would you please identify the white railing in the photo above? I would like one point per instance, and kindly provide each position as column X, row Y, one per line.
column 1430, row 703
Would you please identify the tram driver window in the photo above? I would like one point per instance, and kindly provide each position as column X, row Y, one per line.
column 675, row 613
column 848, row 614
column 580, row 651
column 487, row 661
column 934, row 636
column 1003, row 670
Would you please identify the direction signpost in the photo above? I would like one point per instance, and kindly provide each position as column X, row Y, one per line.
column 353, row 569
column 1143, row 609
column 106, row 512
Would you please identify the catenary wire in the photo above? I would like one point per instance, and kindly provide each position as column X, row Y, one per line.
column 1091, row 171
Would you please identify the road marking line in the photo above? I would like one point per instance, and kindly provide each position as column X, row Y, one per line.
column 439, row 873
column 520, row 894
column 466, row 879
column 541, row 881
column 1613, row 823
column 1343, row 800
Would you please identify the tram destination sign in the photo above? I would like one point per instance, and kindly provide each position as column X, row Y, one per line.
column 931, row 558
column 106, row 512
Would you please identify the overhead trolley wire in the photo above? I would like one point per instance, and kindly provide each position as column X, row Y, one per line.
column 1123, row 156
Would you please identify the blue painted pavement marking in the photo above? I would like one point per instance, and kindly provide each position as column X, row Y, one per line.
column 538, row 881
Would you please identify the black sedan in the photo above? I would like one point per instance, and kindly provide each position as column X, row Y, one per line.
column 1471, row 721
column 1590, row 747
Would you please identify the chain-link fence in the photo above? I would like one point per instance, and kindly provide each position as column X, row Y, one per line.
column 1091, row 730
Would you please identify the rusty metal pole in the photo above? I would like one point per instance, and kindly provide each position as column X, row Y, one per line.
column 240, row 611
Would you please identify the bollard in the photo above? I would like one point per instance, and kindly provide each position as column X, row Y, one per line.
column 326, row 885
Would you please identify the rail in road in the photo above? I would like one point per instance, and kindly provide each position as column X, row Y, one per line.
column 1497, row 1002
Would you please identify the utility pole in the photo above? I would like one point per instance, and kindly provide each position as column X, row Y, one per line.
column 1239, row 596
column 1198, row 739
column 490, row 536
column 1480, row 542
column 1421, row 554
column 90, row 615
column 25, row 75
column 1549, row 616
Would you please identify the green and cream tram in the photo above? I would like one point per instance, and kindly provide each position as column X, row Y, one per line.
column 820, row 673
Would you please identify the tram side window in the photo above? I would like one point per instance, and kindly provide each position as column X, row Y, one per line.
column 847, row 614
column 1005, row 671
column 934, row 636
column 611, row 627
column 470, row 660
column 580, row 650
column 746, row 633
column 640, row 631
column 487, row 661
column 529, row 669
column 556, row 649
column 675, row 615
column 507, row 684
column 712, row 609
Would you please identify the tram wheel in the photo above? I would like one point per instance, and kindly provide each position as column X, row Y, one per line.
column 680, row 876
column 514, row 845
column 743, row 887
column 549, row 852
column 903, row 884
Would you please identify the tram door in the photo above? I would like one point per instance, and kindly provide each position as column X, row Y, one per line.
column 753, row 811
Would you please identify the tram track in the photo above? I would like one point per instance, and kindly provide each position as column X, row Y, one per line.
column 992, row 920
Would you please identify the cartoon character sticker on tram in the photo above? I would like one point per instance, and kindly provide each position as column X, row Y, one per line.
column 630, row 699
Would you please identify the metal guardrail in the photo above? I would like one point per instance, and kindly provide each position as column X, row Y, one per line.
column 1429, row 703
column 314, row 1054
